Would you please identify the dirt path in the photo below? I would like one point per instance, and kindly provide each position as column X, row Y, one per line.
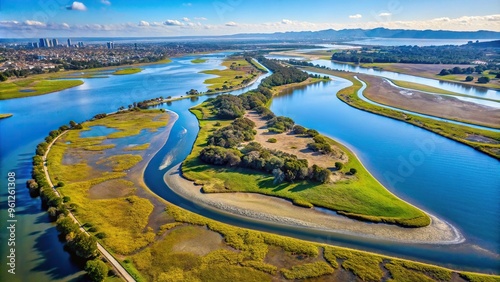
column 116, row 265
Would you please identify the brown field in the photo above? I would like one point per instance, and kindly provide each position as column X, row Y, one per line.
column 296, row 145
column 381, row 91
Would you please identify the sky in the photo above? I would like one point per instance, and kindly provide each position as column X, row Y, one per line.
column 106, row 18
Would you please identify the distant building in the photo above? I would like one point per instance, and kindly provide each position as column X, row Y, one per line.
column 135, row 46
column 80, row 44
column 47, row 43
column 110, row 45
column 42, row 43
column 35, row 44
column 30, row 44
column 69, row 42
column 55, row 42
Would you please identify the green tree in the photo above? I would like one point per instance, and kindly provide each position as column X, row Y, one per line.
column 339, row 165
column 96, row 270
column 483, row 79
column 353, row 171
column 84, row 246
column 469, row 78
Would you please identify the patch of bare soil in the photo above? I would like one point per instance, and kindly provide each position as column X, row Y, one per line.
column 296, row 145
column 481, row 139
column 205, row 242
column 283, row 259
column 115, row 188
column 381, row 91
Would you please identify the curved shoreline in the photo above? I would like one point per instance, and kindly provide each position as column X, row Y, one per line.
column 279, row 211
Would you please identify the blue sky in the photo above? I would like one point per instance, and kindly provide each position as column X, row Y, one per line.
column 21, row 18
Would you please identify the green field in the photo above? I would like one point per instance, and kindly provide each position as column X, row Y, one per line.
column 190, row 247
column 362, row 196
column 490, row 141
column 237, row 70
column 33, row 87
column 127, row 71
column 198, row 61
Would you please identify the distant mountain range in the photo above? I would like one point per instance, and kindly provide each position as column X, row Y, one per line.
column 349, row 34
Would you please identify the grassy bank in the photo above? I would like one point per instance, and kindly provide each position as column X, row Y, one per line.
column 127, row 71
column 5, row 116
column 361, row 196
column 482, row 140
column 33, row 87
column 237, row 73
column 187, row 246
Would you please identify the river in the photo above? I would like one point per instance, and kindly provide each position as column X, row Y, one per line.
column 454, row 181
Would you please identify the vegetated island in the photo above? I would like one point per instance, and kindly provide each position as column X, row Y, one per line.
column 238, row 73
column 100, row 178
column 2, row 116
column 126, row 71
column 198, row 61
column 222, row 160
column 485, row 141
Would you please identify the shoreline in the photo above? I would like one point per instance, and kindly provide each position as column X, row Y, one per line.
column 281, row 211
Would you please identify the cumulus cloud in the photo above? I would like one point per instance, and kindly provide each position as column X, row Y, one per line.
column 384, row 14
column 34, row 23
column 106, row 2
column 356, row 16
column 186, row 19
column 231, row 24
column 77, row 6
column 173, row 23
column 144, row 23
column 200, row 18
column 285, row 21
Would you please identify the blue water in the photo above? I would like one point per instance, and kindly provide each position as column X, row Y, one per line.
column 455, row 181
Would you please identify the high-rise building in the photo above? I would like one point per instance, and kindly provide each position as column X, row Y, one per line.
column 108, row 44
column 69, row 42
column 47, row 43
column 135, row 46
column 35, row 44
column 42, row 43
column 80, row 44
column 55, row 42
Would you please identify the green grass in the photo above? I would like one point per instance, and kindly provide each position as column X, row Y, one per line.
column 228, row 76
column 361, row 197
column 477, row 277
column 120, row 162
column 127, row 71
column 456, row 132
column 198, row 61
column 5, row 116
column 138, row 147
column 257, row 65
column 309, row 270
column 362, row 265
column 12, row 89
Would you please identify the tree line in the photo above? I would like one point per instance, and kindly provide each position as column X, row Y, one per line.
column 417, row 55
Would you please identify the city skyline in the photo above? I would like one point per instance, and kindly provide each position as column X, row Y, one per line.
column 101, row 18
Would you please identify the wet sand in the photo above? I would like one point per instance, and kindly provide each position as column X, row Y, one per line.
column 273, row 209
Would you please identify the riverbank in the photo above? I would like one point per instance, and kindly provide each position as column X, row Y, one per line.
column 2, row 116
column 236, row 75
column 485, row 141
column 281, row 211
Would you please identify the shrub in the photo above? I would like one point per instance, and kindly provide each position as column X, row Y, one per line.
column 352, row 171
column 483, row 79
column 339, row 165
column 272, row 140
column 469, row 78
column 96, row 270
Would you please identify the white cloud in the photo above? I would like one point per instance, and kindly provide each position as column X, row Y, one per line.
column 173, row 22
column 285, row 21
column 106, row 2
column 34, row 23
column 230, row 24
column 65, row 25
column 144, row 23
column 356, row 16
column 200, row 18
column 384, row 14
column 186, row 19
column 77, row 6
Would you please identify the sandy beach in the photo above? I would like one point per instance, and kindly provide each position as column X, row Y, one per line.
column 273, row 209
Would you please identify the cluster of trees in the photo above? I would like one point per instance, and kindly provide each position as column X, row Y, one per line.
column 320, row 144
column 458, row 70
column 280, row 124
column 240, row 130
column 283, row 166
column 416, row 55
column 281, row 74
